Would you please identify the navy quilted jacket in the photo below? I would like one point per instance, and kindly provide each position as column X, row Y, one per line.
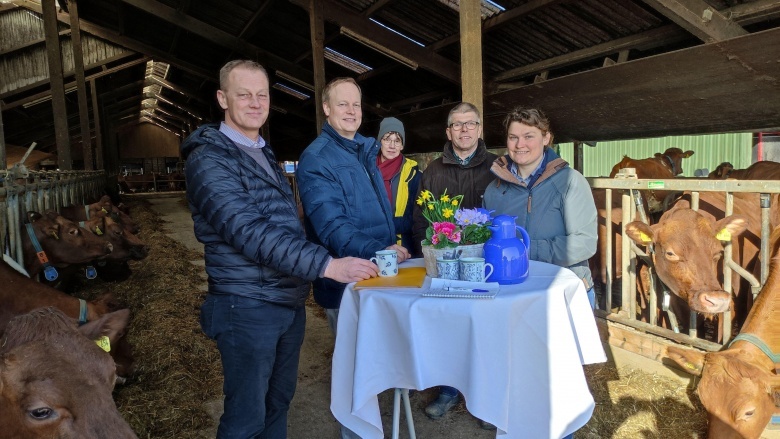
column 248, row 223
column 344, row 198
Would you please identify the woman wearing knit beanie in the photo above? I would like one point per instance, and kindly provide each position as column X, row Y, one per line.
column 401, row 176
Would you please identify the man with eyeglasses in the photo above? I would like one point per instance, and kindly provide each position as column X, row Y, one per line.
column 462, row 169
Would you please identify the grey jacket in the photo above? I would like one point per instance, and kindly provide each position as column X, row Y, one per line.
column 557, row 211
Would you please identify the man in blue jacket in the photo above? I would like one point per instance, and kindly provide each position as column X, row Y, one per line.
column 258, row 261
column 342, row 191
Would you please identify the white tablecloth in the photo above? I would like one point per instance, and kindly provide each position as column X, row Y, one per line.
column 517, row 358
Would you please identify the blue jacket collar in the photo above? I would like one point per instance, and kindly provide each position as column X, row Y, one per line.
column 365, row 147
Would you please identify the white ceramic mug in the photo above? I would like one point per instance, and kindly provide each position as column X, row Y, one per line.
column 387, row 261
column 448, row 268
column 473, row 269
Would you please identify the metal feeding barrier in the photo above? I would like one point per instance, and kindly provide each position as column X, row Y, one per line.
column 629, row 188
column 22, row 191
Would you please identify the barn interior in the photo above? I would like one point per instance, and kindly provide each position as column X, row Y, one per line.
column 601, row 69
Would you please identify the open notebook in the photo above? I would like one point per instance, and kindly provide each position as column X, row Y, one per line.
column 411, row 277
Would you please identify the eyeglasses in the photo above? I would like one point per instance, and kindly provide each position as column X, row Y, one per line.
column 388, row 141
column 461, row 125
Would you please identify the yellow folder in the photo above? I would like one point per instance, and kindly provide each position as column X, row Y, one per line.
column 411, row 277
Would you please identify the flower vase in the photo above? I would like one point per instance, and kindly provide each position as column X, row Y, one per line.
column 430, row 255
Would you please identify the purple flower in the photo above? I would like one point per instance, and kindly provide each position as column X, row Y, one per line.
column 465, row 217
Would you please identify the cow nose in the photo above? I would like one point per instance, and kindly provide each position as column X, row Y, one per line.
column 109, row 248
column 715, row 301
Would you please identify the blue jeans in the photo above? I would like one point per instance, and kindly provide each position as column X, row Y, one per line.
column 260, row 344
column 592, row 298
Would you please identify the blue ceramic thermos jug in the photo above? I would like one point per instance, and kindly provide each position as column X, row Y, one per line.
column 508, row 254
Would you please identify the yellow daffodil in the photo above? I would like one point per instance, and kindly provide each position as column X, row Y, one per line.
column 445, row 198
column 420, row 201
column 447, row 213
column 454, row 202
column 427, row 195
column 430, row 206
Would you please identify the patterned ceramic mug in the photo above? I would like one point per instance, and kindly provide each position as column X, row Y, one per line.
column 387, row 261
column 473, row 269
column 448, row 268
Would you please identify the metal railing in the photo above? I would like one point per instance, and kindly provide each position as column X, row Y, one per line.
column 626, row 314
column 40, row 191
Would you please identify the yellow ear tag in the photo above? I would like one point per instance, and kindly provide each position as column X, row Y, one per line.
column 54, row 234
column 98, row 232
column 104, row 343
column 104, row 210
column 644, row 237
column 723, row 235
column 690, row 366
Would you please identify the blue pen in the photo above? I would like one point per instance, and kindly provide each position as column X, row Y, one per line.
column 475, row 290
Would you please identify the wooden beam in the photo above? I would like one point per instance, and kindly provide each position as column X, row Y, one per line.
column 436, row 94
column 497, row 21
column 220, row 37
column 471, row 52
column 425, row 58
column 317, row 31
column 98, row 134
column 379, row 4
column 749, row 13
column 54, row 58
column 81, row 86
column 698, row 18
column 8, row 6
column 665, row 33
column 190, row 94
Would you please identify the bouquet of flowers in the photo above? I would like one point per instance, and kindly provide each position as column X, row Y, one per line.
column 449, row 225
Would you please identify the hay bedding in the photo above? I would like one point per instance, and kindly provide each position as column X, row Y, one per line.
column 178, row 368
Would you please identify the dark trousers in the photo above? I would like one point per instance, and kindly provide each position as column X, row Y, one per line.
column 260, row 344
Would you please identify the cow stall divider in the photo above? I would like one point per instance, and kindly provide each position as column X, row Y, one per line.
column 22, row 191
column 626, row 313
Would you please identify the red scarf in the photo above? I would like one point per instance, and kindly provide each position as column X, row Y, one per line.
column 389, row 168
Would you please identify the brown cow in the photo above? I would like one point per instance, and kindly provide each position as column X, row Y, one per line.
column 55, row 382
column 21, row 294
column 663, row 166
column 62, row 240
column 125, row 244
column 739, row 386
column 101, row 208
column 764, row 170
column 686, row 254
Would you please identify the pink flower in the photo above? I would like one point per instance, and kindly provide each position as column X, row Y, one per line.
column 435, row 239
column 446, row 228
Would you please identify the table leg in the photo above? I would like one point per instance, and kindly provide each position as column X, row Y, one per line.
column 398, row 394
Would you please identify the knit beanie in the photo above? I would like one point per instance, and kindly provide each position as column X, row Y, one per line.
column 390, row 125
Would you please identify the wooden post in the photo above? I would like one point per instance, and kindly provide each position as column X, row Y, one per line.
column 471, row 52
column 81, row 86
column 317, row 31
column 579, row 160
column 98, row 134
column 3, row 158
column 60, row 111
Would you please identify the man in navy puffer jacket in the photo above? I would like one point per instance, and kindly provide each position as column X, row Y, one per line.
column 258, row 260
column 342, row 191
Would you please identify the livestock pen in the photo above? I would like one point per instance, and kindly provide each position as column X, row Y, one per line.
column 620, row 325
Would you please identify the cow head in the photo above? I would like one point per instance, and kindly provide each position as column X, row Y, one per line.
column 55, row 381
column 673, row 157
column 125, row 244
column 721, row 172
column 687, row 249
column 739, row 396
column 63, row 241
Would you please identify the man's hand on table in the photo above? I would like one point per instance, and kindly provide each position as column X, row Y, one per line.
column 351, row 269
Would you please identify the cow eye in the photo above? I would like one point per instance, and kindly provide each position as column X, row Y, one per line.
column 41, row 413
column 671, row 256
column 74, row 231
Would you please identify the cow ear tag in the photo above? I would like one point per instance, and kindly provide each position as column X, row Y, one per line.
column 54, row 234
column 645, row 237
column 98, row 232
column 723, row 235
column 50, row 273
column 104, row 210
column 90, row 272
column 104, row 343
